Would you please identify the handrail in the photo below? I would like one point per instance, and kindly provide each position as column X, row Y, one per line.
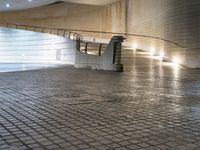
column 105, row 32
column 74, row 35
column 71, row 35
column 130, row 34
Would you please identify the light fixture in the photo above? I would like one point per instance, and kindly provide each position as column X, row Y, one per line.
column 162, row 54
column 152, row 51
column 7, row 5
column 176, row 62
column 135, row 46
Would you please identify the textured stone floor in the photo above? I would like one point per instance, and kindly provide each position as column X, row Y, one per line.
column 151, row 106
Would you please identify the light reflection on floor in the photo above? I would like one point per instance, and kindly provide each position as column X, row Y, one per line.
column 13, row 67
column 152, row 105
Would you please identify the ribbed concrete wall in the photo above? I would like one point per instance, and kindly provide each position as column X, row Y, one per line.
column 184, row 27
column 71, row 16
column 145, row 17
column 173, row 20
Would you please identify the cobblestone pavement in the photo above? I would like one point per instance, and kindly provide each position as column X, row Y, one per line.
column 152, row 106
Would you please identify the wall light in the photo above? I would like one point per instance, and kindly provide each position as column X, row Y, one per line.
column 135, row 46
column 162, row 54
column 176, row 62
column 152, row 51
column 7, row 5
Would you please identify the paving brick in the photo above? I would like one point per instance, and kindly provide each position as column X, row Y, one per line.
column 152, row 107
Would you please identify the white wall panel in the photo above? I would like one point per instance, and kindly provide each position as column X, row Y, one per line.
column 174, row 20
column 19, row 46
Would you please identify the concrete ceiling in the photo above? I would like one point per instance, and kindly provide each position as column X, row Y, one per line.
column 10, row 5
column 92, row 2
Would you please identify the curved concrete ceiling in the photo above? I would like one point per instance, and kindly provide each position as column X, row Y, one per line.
column 92, row 2
column 22, row 4
column 10, row 5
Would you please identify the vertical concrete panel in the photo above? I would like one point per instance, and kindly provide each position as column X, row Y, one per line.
column 175, row 20
column 72, row 16
column 183, row 26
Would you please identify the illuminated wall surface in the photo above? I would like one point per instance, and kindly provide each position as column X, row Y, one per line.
column 19, row 46
column 175, row 20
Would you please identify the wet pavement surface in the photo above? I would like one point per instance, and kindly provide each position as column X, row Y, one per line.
column 151, row 106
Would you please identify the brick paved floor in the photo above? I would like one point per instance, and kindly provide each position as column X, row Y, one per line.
column 152, row 107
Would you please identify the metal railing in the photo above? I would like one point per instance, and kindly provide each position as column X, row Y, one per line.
column 60, row 32
column 76, row 32
column 132, row 35
column 92, row 48
column 84, row 46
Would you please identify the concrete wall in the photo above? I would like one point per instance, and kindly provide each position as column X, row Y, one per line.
column 173, row 20
column 71, row 16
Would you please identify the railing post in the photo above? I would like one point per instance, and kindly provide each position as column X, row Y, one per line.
column 100, row 47
column 74, row 35
column 64, row 33
column 117, row 51
column 69, row 36
column 78, row 45
column 114, row 53
column 86, row 46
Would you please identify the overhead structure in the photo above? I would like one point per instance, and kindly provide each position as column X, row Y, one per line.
column 92, row 2
column 167, row 28
column 12, row 5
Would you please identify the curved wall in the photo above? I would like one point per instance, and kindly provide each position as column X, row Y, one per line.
column 184, row 27
column 175, row 20
column 20, row 46
column 71, row 16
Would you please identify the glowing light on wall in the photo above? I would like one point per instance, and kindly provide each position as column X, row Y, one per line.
column 176, row 62
column 135, row 46
column 162, row 55
column 153, row 51
column 7, row 5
